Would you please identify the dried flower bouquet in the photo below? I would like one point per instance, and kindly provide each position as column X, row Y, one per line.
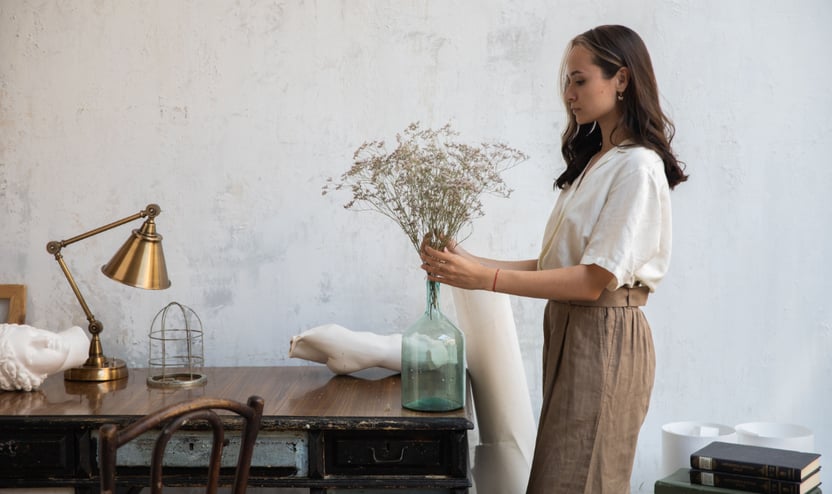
column 429, row 184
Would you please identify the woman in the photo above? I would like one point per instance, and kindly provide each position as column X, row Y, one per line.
column 605, row 247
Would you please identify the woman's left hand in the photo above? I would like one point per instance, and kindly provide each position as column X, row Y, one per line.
column 453, row 269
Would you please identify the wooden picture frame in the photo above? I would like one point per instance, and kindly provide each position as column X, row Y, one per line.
column 16, row 295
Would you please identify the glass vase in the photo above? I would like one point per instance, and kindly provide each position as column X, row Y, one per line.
column 433, row 360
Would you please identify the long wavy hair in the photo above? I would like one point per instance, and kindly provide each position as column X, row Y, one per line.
column 642, row 119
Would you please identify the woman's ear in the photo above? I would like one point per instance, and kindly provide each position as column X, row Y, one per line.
column 622, row 79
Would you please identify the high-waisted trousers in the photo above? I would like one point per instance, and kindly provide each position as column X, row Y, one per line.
column 598, row 371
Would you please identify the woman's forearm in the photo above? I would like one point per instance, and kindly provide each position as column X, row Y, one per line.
column 521, row 265
column 460, row 269
column 582, row 282
column 524, row 265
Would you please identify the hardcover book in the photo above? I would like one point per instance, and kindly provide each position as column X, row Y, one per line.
column 762, row 485
column 679, row 483
column 755, row 461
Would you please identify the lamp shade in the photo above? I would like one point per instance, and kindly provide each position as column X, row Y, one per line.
column 140, row 262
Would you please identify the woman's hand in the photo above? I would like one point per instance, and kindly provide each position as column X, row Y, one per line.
column 452, row 266
column 451, row 246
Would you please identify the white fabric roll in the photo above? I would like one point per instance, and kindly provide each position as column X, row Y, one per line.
column 502, row 403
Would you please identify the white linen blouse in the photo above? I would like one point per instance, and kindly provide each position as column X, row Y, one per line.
column 616, row 215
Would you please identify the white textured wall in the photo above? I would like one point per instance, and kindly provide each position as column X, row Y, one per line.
column 231, row 115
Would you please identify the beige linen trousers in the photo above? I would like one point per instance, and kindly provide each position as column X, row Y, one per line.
column 598, row 371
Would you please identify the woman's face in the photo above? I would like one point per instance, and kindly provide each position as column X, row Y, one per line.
column 589, row 95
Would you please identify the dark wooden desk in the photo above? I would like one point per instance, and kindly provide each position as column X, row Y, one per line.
column 319, row 432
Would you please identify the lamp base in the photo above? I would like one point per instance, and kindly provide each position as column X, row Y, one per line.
column 111, row 370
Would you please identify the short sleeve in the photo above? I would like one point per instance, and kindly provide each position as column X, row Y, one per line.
column 632, row 223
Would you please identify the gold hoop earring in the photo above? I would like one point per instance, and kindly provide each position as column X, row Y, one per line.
column 620, row 96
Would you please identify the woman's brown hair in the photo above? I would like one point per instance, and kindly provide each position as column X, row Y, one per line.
column 642, row 118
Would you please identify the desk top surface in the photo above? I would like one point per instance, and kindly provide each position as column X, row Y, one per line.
column 306, row 392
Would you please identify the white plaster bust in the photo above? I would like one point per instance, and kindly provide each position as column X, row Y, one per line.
column 345, row 351
column 28, row 355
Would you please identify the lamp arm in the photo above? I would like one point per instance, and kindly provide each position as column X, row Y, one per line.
column 95, row 325
column 54, row 248
column 152, row 210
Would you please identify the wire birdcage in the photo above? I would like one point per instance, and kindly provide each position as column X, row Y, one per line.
column 175, row 357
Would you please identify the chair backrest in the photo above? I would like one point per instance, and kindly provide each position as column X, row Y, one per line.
column 16, row 294
column 173, row 417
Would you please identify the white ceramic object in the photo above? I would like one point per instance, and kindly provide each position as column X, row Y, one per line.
column 776, row 435
column 680, row 439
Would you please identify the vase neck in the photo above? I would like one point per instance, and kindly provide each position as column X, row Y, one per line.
column 432, row 298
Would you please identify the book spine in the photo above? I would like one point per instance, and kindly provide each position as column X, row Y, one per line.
column 744, row 468
column 743, row 483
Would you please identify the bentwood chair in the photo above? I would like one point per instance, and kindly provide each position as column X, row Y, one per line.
column 174, row 417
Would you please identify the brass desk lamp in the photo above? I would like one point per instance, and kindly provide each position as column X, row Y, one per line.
column 140, row 262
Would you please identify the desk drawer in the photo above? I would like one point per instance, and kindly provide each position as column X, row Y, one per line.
column 39, row 452
column 192, row 449
column 393, row 453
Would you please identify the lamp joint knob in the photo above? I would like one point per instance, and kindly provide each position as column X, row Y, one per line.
column 152, row 210
column 53, row 247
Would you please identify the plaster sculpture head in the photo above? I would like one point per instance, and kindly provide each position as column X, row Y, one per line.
column 28, row 355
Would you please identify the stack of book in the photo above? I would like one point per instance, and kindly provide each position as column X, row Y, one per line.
column 747, row 468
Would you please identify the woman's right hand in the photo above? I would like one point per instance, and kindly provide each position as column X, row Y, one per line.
column 451, row 267
column 451, row 246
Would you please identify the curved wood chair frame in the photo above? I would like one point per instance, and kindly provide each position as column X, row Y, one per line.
column 173, row 418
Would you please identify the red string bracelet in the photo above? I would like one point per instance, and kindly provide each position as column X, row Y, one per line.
column 494, row 285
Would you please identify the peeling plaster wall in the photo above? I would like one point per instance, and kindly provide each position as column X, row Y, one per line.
column 231, row 115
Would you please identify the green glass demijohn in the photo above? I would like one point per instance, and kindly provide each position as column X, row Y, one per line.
column 433, row 360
